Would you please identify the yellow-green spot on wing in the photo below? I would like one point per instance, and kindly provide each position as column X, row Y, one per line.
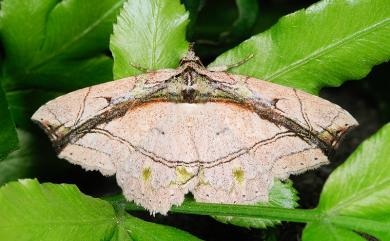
column 146, row 173
column 182, row 175
column 238, row 175
column 63, row 130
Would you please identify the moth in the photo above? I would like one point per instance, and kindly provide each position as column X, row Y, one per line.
column 223, row 137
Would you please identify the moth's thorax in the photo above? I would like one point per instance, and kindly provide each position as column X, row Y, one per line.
column 189, row 87
column 190, row 58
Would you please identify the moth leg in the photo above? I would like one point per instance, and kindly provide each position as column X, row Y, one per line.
column 230, row 66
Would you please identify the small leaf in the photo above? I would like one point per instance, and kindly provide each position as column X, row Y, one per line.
column 323, row 45
column 33, row 211
column 148, row 35
column 356, row 195
column 8, row 137
column 281, row 195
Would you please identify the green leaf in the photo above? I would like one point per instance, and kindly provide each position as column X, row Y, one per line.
column 8, row 137
column 147, row 231
column 148, row 35
column 56, row 45
column 53, row 46
column 35, row 157
column 193, row 7
column 323, row 45
column 248, row 11
column 23, row 104
column 328, row 232
column 33, row 211
column 30, row 211
column 17, row 164
column 281, row 195
column 356, row 195
column 209, row 27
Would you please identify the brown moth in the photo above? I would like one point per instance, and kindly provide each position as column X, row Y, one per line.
column 221, row 136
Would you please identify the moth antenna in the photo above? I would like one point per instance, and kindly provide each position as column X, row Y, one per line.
column 231, row 66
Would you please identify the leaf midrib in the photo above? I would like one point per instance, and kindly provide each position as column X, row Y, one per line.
column 66, row 45
column 324, row 50
column 154, row 38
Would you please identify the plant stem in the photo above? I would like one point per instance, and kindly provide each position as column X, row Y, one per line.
column 256, row 211
column 250, row 211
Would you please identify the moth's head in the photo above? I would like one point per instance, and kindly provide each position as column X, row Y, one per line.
column 191, row 57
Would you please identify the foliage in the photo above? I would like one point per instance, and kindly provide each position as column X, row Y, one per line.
column 40, row 55
column 51, row 47
column 34, row 158
column 155, row 27
column 8, row 138
column 358, row 189
column 33, row 211
column 324, row 45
